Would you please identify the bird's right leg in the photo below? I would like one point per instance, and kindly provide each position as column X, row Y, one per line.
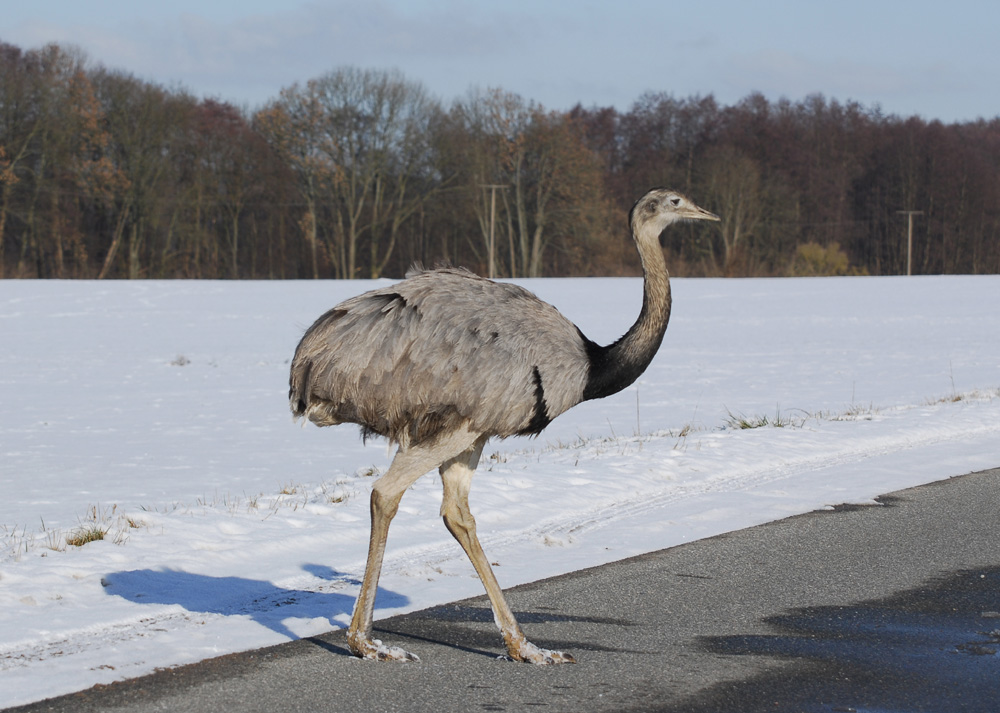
column 407, row 466
column 456, row 476
column 386, row 494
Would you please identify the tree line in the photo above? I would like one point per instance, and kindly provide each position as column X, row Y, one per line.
column 362, row 173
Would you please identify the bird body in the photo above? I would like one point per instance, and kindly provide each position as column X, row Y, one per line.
column 443, row 361
column 402, row 361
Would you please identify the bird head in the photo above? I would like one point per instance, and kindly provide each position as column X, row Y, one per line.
column 662, row 206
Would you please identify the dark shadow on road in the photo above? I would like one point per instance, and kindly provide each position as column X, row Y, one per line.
column 934, row 648
column 262, row 601
column 463, row 612
column 469, row 626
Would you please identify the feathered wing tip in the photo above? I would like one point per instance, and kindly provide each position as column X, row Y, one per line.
column 415, row 269
column 304, row 407
column 418, row 268
column 298, row 377
column 300, row 413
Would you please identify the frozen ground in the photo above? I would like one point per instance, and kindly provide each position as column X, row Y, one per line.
column 155, row 413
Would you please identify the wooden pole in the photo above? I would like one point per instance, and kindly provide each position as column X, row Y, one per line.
column 491, row 243
column 909, row 237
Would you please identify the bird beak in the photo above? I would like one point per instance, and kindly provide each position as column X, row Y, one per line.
column 698, row 213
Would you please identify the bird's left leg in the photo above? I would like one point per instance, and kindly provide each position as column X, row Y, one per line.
column 407, row 466
column 456, row 475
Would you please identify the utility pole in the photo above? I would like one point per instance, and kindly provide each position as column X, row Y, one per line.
column 491, row 243
column 909, row 236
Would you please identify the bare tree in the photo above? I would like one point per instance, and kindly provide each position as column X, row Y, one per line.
column 359, row 142
column 733, row 183
column 142, row 121
column 18, row 126
column 541, row 158
column 294, row 125
column 377, row 123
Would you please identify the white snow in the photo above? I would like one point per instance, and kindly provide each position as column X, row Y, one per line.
column 159, row 409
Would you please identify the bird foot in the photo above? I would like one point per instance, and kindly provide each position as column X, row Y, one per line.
column 529, row 653
column 375, row 650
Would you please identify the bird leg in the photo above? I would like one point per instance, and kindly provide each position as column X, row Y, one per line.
column 456, row 475
column 407, row 466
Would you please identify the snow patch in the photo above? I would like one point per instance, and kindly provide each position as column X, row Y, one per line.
column 157, row 412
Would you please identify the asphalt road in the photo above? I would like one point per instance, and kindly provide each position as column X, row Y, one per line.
column 888, row 607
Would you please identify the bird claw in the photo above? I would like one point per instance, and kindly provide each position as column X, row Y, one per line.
column 529, row 653
column 375, row 650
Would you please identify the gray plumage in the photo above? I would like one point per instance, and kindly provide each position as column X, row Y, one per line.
column 443, row 361
column 440, row 348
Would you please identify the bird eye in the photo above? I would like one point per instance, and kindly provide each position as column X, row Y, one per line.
column 675, row 201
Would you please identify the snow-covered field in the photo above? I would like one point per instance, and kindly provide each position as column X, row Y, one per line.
column 156, row 413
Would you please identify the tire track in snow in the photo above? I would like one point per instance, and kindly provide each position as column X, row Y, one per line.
column 735, row 480
column 91, row 639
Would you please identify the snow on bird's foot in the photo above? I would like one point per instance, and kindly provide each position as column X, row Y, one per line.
column 375, row 650
column 529, row 653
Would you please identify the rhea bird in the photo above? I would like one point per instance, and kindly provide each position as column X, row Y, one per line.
column 443, row 361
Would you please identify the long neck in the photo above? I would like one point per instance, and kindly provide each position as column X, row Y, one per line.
column 614, row 367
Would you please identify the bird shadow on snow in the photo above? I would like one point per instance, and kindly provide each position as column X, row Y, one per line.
column 261, row 601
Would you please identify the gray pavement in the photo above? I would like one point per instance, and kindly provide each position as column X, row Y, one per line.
column 888, row 607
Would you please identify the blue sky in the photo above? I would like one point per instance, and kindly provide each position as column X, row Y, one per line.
column 937, row 60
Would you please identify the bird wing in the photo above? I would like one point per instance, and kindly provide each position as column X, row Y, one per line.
column 441, row 347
